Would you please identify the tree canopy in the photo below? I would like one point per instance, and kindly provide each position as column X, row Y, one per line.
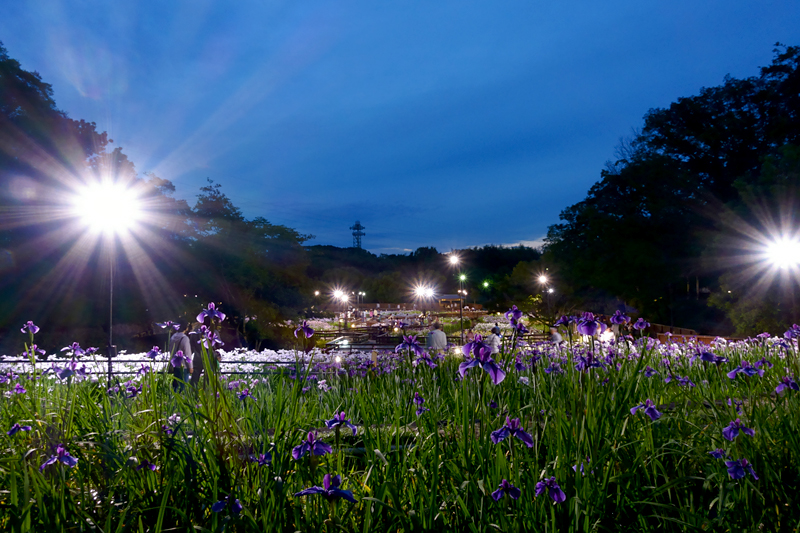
column 648, row 231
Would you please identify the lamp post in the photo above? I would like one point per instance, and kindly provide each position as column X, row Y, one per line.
column 339, row 295
column 461, row 295
column 110, row 209
column 455, row 260
column 547, row 291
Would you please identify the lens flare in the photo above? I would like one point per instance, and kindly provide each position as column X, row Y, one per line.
column 783, row 253
column 107, row 207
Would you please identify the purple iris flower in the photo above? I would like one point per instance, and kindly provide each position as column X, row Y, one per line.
column 719, row 453
column 69, row 370
column 649, row 372
column 554, row 368
column 731, row 431
column 588, row 325
column 311, row 444
column 30, row 327
column 709, row 357
column 75, row 348
column 410, row 343
column 307, row 331
column 747, row 369
column 763, row 362
column 565, row 320
column 155, row 352
column 8, row 377
column 553, row 490
column 19, row 389
column 472, row 348
column 16, row 428
column 61, row 455
column 506, row 488
column 263, row 459
column 786, row 382
column 211, row 312
column 581, row 466
column 218, row 507
column 419, row 400
column 36, row 349
column 649, row 409
column 641, row 324
column 619, row 318
column 209, row 338
column 738, row 469
column 132, row 390
column 520, row 327
column 513, row 429
column 585, row 363
column 484, row 360
column 792, row 333
column 338, row 420
column 681, row 381
column 424, row 358
column 146, row 464
column 737, row 404
column 513, row 314
column 245, row 394
column 330, row 489
column 178, row 359
column 169, row 324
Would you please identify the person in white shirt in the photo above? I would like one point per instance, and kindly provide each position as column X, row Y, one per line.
column 437, row 340
column 493, row 340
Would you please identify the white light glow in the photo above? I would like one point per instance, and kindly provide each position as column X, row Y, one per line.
column 108, row 207
column 454, row 260
column 338, row 294
column 551, row 290
column 784, row 252
column 542, row 279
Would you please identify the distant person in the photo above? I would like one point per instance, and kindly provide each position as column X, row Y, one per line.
column 555, row 336
column 470, row 335
column 437, row 340
column 181, row 341
column 493, row 340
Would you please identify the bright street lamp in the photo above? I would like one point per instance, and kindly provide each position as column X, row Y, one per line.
column 111, row 209
column 454, row 259
column 543, row 279
column 783, row 253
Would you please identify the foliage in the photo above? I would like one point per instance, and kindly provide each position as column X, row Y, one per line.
column 645, row 233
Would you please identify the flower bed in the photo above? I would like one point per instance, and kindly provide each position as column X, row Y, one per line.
column 661, row 437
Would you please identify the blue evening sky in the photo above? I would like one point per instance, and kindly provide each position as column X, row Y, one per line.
column 439, row 123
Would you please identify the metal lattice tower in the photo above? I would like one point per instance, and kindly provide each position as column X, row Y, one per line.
column 357, row 234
